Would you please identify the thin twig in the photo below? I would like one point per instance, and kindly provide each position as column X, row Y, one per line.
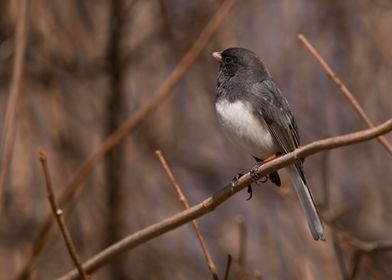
column 257, row 275
column 9, row 129
column 76, row 182
column 356, row 261
column 343, row 89
column 325, row 180
column 58, row 214
column 228, row 264
column 340, row 259
column 184, row 201
column 306, row 270
column 242, row 242
column 218, row 198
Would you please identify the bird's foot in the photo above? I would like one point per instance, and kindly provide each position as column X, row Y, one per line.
column 234, row 182
column 255, row 176
column 253, row 173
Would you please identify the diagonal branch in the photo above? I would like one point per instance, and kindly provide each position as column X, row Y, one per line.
column 58, row 214
column 343, row 89
column 222, row 195
column 158, row 97
column 9, row 129
column 76, row 182
column 185, row 202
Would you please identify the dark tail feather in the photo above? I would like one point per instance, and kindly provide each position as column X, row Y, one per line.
column 305, row 197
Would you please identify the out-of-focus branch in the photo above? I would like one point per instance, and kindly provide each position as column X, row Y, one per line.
column 9, row 129
column 361, row 248
column 343, row 89
column 242, row 242
column 115, row 108
column 228, row 265
column 339, row 258
column 158, row 97
column 184, row 201
column 212, row 202
column 58, row 214
column 240, row 269
column 164, row 90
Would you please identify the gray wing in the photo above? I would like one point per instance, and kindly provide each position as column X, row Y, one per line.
column 274, row 108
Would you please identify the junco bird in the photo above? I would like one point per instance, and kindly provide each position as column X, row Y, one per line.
column 255, row 115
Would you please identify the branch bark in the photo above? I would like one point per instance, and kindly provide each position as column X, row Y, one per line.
column 58, row 214
column 184, row 201
column 343, row 89
column 222, row 195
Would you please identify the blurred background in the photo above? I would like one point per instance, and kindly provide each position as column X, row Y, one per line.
column 89, row 65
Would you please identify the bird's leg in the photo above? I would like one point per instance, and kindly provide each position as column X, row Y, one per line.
column 253, row 171
column 268, row 159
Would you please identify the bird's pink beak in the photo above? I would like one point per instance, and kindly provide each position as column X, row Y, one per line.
column 217, row 56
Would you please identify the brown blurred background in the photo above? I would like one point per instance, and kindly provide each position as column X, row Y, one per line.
column 91, row 64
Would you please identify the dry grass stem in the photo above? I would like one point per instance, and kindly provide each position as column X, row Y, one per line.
column 9, row 129
column 184, row 201
column 76, row 182
column 343, row 89
column 222, row 195
column 58, row 214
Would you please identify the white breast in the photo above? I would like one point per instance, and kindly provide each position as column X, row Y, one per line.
column 244, row 129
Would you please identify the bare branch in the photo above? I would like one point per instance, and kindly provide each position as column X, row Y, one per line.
column 343, row 89
column 9, row 129
column 228, row 264
column 184, row 201
column 356, row 261
column 218, row 198
column 58, row 214
column 339, row 258
column 360, row 247
column 164, row 90
column 158, row 97
column 242, row 233
column 257, row 275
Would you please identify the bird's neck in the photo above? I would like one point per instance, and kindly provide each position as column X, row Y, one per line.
column 232, row 87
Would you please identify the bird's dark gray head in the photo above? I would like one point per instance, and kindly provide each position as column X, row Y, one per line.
column 241, row 62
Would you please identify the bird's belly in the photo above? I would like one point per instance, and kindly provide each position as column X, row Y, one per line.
column 243, row 128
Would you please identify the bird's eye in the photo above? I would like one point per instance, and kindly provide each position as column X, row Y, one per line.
column 228, row 60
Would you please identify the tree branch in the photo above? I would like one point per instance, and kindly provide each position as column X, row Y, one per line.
column 184, row 201
column 58, row 214
column 76, row 182
column 343, row 89
column 9, row 129
column 228, row 265
column 222, row 195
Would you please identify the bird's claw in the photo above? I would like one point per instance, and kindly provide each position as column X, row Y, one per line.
column 250, row 192
column 253, row 173
column 264, row 179
column 234, row 182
